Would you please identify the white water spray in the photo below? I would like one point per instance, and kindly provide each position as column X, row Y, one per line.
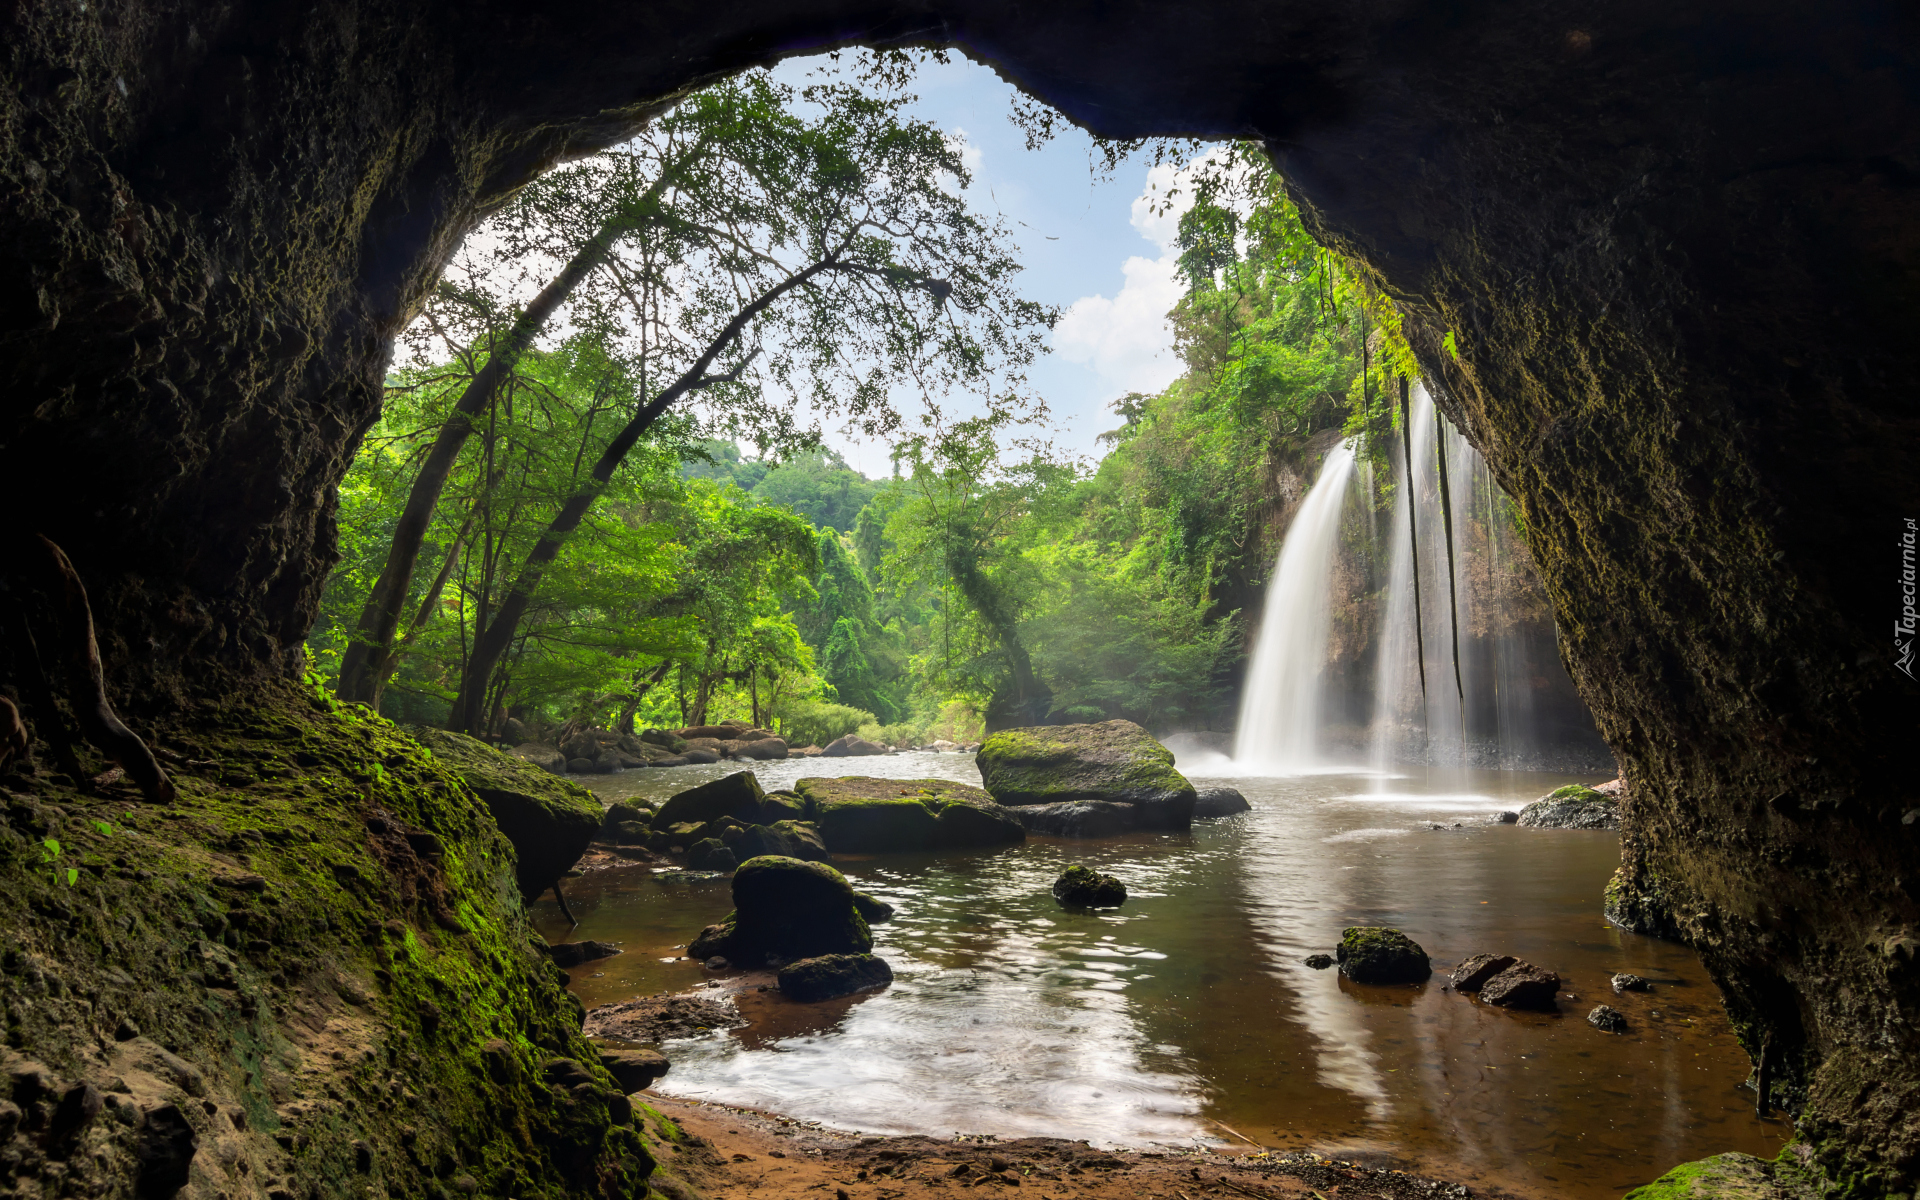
column 1280, row 712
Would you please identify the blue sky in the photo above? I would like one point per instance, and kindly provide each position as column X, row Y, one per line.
column 1091, row 246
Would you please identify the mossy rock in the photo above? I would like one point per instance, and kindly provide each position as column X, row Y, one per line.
column 1377, row 954
column 830, row 976
column 738, row 795
column 550, row 821
column 1722, row 1177
column 1636, row 899
column 863, row 815
column 376, row 912
column 783, row 806
column 1116, row 762
column 1572, row 807
column 789, row 839
column 1081, row 886
column 786, row 909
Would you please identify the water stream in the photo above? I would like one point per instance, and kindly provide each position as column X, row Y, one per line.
column 1189, row 1009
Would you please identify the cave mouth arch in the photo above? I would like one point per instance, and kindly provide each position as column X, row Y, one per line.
column 1675, row 243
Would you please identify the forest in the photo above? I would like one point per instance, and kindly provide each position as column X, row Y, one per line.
column 593, row 496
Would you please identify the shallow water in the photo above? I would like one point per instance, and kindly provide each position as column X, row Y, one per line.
column 1187, row 1014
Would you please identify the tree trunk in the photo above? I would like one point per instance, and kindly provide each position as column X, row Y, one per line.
column 625, row 723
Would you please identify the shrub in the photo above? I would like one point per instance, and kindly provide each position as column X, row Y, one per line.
column 815, row 722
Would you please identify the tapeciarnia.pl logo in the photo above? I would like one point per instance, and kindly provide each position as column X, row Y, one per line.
column 1903, row 628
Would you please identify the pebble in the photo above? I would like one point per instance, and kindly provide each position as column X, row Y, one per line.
column 1629, row 983
column 1607, row 1020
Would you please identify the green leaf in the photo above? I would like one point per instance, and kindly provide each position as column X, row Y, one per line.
column 73, row 876
column 1452, row 347
column 103, row 827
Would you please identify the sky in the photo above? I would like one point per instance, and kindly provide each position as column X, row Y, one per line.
column 1094, row 247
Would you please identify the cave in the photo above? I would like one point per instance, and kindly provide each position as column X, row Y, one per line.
column 1658, row 260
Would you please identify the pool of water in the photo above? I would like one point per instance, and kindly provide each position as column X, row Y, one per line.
column 1188, row 1014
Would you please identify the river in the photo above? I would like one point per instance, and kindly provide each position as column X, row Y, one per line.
column 1188, row 1014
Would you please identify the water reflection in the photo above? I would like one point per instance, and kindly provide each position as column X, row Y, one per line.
column 1190, row 1008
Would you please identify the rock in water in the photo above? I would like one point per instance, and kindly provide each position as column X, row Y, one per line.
column 738, row 795
column 1083, row 887
column 1113, row 762
column 549, row 821
column 1522, row 985
column 862, row 815
column 1629, row 983
column 788, row 909
column 1319, row 962
column 1572, row 807
column 830, row 976
column 788, row 839
column 1473, row 972
column 572, row 954
column 711, row 854
column 634, row 1069
column 1607, row 1020
column 1075, row 819
column 1376, row 954
column 1219, row 802
column 872, row 909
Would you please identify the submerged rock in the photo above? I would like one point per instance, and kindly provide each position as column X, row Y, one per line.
column 1572, row 807
column 1607, row 1020
column 829, row 976
column 1113, row 762
column 549, row 821
column 1724, row 1177
column 1319, row 962
column 863, row 815
column 634, row 1069
column 1522, row 985
column 1083, row 887
column 788, row 839
column 1629, row 983
column 787, row 909
column 1219, row 802
column 1377, row 954
column 1075, row 819
column 572, row 954
column 872, row 909
column 1474, row 971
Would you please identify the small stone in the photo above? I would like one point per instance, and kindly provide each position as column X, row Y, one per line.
column 1473, row 972
column 1607, row 1020
column 573, row 954
column 1083, row 887
column 1629, row 983
column 717, row 963
column 1319, row 962
column 1522, row 985
column 1506, row 818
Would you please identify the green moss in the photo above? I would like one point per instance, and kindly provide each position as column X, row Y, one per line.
column 323, row 885
column 861, row 815
column 1113, row 760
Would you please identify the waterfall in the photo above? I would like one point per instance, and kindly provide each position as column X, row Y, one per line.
column 1280, row 711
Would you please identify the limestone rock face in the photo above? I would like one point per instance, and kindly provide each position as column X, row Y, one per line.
column 1376, row 954
column 1113, row 762
column 1572, row 807
column 831, row 976
column 549, row 821
column 864, row 815
column 785, row 909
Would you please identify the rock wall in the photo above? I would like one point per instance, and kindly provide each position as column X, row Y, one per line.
column 1673, row 244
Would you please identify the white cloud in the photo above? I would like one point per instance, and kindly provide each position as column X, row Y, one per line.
column 1126, row 339
column 971, row 155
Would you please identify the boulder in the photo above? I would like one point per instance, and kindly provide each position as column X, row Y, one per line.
column 580, row 766
column 782, row 806
column 852, row 746
column 672, row 743
column 514, row 732
column 1522, row 985
column 1376, row 954
column 1506, row 818
column 872, row 909
column 863, row 815
column 1075, row 819
column 1572, row 807
column 672, row 760
column 1113, row 762
column 788, row 839
column 711, row 854
column 1473, row 972
column 572, row 954
column 1083, row 887
column 830, row 976
column 628, row 833
column 1218, row 802
column 752, row 735
column 547, row 758
column 549, row 821
column 716, row 732
column 737, row 795
column 1607, row 1019
column 766, row 749
column 634, row 1070
column 786, row 909
column 620, row 813
column 1732, row 1176
column 1629, row 983
column 807, row 751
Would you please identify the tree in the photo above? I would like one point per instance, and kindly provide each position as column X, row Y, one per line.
column 822, row 261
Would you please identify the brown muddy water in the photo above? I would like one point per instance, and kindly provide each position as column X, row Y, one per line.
column 1187, row 1015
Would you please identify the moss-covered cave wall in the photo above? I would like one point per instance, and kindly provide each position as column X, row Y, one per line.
column 1674, row 243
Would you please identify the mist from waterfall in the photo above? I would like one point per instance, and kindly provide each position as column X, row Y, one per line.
column 1280, row 710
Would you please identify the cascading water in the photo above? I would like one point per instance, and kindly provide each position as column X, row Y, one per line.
column 1280, row 710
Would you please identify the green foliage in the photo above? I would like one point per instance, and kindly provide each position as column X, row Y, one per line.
column 815, row 723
